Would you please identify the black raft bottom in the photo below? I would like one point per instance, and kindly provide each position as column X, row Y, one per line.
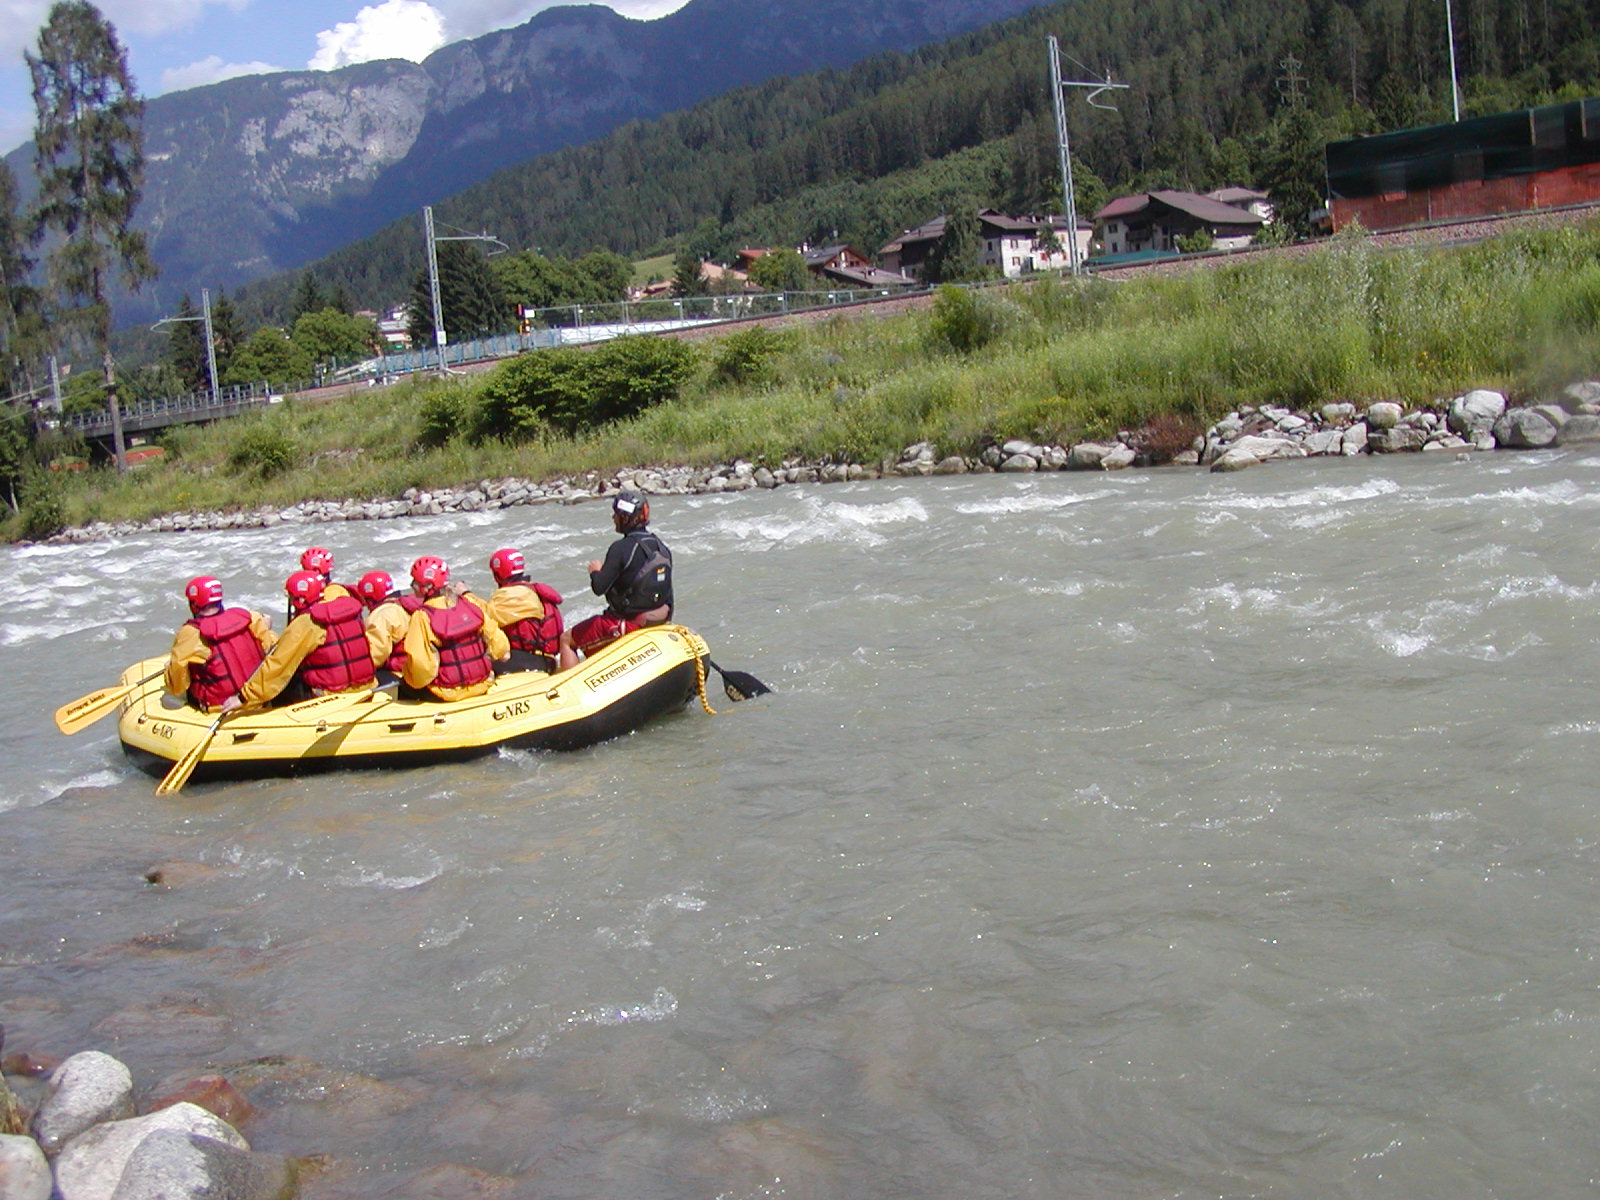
column 665, row 694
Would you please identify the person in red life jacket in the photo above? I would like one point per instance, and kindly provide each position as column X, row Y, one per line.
column 320, row 560
column 452, row 642
column 635, row 578
column 324, row 649
column 388, row 618
column 530, row 614
column 217, row 649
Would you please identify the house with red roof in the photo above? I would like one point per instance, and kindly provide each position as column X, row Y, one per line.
column 1156, row 220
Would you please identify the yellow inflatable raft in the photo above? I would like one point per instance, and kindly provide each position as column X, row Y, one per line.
column 635, row 679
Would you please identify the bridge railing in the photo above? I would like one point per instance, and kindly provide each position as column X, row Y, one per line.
column 562, row 325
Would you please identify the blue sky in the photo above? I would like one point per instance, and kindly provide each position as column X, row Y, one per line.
column 176, row 44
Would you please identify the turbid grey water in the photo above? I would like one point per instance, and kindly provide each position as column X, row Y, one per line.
column 1154, row 834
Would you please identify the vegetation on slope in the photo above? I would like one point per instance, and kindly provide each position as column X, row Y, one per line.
column 1225, row 92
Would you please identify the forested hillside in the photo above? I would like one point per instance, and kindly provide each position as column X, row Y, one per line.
column 1221, row 91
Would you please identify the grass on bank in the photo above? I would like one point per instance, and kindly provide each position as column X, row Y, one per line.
column 1055, row 361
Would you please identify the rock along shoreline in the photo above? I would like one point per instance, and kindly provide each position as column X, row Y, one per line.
column 1477, row 420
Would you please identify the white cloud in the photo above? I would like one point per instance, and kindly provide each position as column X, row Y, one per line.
column 21, row 20
column 469, row 18
column 210, row 69
column 410, row 29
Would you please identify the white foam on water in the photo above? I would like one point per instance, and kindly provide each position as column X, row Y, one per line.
column 1261, row 600
column 51, row 788
column 821, row 521
column 1317, row 497
column 1027, row 502
column 374, row 877
column 18, row 634
column 661, row 1006
column 1403, row 645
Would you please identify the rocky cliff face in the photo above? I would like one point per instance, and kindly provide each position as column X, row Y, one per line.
column 261, row 174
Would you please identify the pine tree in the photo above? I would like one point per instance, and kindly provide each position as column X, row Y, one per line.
column 227, row 334
column 954, row 257
column 22, row 325
column 90, row 151
column 471, row 298
column 186, row 345
column 308, row 298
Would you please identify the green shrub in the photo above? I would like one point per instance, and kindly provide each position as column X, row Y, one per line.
column 44, row 512
column 631, row 374
column 571, row 389
column 747, row 356
column 442, row 415
column 961, row 321
column 532, row 393
column 263, row 450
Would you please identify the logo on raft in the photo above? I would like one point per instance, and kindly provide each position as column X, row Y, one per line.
column 520, row 709
column 596, row 682
column 165, row 731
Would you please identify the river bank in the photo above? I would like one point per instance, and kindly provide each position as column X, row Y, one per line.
column 1477, row 420
column 1090, row 373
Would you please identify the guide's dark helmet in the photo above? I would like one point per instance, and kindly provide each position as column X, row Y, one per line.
column 631, row 510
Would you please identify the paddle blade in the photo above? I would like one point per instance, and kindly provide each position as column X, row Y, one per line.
column 86, row 710
column 184, row 767
column 740, row 685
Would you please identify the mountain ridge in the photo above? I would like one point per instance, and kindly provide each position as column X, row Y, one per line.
column 259, row 174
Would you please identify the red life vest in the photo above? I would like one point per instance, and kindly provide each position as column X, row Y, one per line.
column 463, row 653
column 235, row 655
column 344, row 660
column 397, row 652
column 538, row 635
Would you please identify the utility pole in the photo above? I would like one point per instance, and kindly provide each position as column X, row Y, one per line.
column 433, row 274
column 211, row 341
column 1068, row 196
column 1450, row 33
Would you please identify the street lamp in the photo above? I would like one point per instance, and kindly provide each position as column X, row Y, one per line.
column 211, row 342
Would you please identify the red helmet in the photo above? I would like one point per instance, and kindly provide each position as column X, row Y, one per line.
column 319, row 560
column 507, row 564
column 631, row 510
column 375, row 587
column 430, row 573
column 304, row 588
column 203, row 591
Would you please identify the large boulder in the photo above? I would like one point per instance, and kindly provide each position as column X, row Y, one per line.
column 1385, row 414
column 1354, row 439
column 1522, row 428
column 24, row 1170
column 86, row 1090
column 1249, row 451
column 1397, row 439
column 92, row 1164
column 174, row 1165
column 1582, row 427
column 1476, row 412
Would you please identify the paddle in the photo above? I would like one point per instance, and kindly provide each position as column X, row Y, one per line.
column 184, row 767
column 740, row 685
column 86, row 710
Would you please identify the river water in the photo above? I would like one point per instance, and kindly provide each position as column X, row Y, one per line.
column 1152, row 834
